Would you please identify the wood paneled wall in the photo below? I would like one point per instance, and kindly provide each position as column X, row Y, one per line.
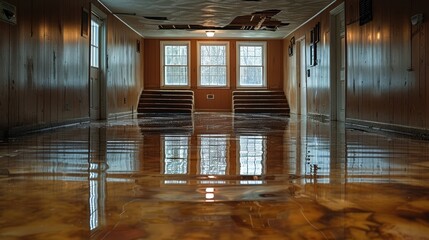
column 125, row 73
column 318, row 84
column 44, row 70
column 223, row 97
column 387, row 65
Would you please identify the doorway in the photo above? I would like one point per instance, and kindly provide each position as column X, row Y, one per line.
column 338, row 64
column 97, row 83
column 302, row 77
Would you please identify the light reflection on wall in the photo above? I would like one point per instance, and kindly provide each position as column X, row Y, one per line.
column 252, row 155
column 176, row 153
column 213, row 154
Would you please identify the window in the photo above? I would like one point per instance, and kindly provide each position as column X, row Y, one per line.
column 213, row 64
column 95, row 44
column 175, row 63
column 251, row 64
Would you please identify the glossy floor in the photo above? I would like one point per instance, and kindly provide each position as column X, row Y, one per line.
column 213, row 176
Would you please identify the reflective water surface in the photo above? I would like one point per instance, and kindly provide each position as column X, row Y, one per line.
column 213, row 176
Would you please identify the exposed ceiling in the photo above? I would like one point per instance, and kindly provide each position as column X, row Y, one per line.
column 228, row 18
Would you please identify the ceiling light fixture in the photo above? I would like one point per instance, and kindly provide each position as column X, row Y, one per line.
column 210, row 33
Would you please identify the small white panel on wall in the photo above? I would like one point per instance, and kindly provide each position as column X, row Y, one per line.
column 7, row 12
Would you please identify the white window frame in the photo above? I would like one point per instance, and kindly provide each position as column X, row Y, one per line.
column 205, row 43
column 162, row 53
column 264, row 62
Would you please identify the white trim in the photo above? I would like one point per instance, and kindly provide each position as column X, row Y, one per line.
column 263, row 44
column 177, row 43
column 103, row 78
column 214, row 43
column 111, row 12
column 315, row 15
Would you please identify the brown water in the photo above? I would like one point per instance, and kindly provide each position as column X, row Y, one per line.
column 213, row 176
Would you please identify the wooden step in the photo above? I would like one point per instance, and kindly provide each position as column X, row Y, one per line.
column 164, row 110
column 257, row 92
column 159, row 105
column 258, row 96
column 166, row 101
column 175, row 92
column 261, row 105
column 166, row 96
column 261, row 110
column 260, row 101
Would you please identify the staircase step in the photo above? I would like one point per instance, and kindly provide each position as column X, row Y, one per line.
column 258, row 96
column 261, row 110
column 175, row 92
column 166, row 96
column 164, row 110
column 166, row 101
column 259, row 105
column 260, row 101
column 161, row 106
column 257, row 92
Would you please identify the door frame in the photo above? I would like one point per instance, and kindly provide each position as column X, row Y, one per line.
column 301, row 59
column 333, row 65
column 103, row 62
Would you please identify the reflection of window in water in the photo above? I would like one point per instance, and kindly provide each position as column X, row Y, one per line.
column 213, row 154
column 252, row 155
column 119, row 157
column 176, row 155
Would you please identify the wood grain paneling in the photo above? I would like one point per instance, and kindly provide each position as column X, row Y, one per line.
column 387, row 65
column 124, row 76
column 45, row 66
column 223, row 97
column 4, row 75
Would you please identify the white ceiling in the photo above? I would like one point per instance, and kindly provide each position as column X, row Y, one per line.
column 218, row 13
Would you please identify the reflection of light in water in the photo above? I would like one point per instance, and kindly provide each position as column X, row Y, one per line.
column 252, row 155
column 209, row 182
column 181, row 182
column 97, row 186
column 209, row 195
column 176, row 154
column 251, row 182
column 121, row 156
column 93, row 204
column 93, row 196
column 213, row 154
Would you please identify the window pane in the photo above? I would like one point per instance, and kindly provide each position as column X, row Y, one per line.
column 176, row 75
column 213, row 55
column 251, row 76
column 251, row 56
column 213, row 69
column 213, row 76
column 95, row 39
